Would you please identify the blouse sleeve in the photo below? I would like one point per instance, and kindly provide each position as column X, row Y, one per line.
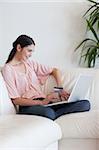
column 42, row 71
column 9, row 78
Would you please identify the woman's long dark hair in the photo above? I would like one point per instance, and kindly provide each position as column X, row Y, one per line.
column 24, row 41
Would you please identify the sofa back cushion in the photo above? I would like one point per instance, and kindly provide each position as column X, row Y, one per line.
column 92, row 95
column 6, row 105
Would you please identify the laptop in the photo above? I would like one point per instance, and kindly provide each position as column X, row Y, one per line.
column 79, row 90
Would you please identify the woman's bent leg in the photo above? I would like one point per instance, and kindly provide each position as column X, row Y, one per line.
column 56, row 111
column 38, row 110
column 73, row 107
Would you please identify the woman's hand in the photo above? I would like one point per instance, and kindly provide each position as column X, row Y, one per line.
column 64, row 95
column 45, row 102
column 53, row 97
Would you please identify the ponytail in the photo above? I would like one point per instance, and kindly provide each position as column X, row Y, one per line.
column 11, row 55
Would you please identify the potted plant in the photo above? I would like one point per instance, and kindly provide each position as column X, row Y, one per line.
column 90, row 46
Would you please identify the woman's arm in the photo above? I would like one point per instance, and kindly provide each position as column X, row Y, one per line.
column 29, row 102
column 57, row 75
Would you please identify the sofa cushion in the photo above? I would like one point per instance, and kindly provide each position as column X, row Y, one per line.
column 80, row 125
column 22, row 131
column 69, row 77
column 6, row 106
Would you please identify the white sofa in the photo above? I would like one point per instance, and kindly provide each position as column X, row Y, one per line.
column 79, row 131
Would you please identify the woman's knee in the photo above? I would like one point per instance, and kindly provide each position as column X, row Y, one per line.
column 49, row 113
column 85, row 105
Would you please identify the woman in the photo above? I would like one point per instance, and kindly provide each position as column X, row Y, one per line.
column 23, row 78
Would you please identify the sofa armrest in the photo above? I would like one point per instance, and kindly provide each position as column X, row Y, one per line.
column 6, row 105
column 27, row 132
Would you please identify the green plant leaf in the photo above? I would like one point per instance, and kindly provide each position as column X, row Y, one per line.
column 89, row 60
column 92, row 21
column 90, row 46
column 92, row 1
column 95, row 5
column 92, row 57
column 84, row 42
column 94, row 18
column 86, row 55
column 92, row 30
column 98, row 25
column 87, row 39
column 94, row 11
column 89, row 10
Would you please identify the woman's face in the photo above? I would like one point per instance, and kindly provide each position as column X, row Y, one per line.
column 25, row 52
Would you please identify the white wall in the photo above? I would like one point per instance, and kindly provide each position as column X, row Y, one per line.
column 57, row 28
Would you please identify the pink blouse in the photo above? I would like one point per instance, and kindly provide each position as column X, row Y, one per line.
column 26, row 85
